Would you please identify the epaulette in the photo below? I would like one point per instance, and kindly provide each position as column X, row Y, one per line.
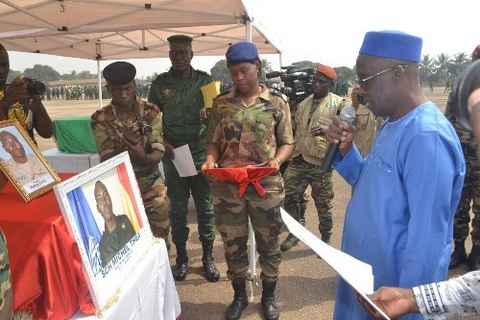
column 278, row 93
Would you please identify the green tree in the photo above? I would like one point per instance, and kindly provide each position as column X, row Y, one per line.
column 42, row 73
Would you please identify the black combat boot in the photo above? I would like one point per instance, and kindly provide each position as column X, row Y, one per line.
column 180, row 269
column 269, row 306
column 474, row 258
column 209, row 269
column 459, row 255
column 291, row 240
column 240, row 300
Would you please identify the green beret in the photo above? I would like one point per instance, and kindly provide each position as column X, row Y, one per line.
column 119, row 73
column 179, row 39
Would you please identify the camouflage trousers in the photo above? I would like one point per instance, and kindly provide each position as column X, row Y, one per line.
column 232, row 222
column 298, row 176
column 470, row 198
column 157, row 207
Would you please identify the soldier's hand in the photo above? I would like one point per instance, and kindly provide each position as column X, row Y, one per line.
column 317, row 131
column 136, row 147
column 209, row 164
column 148, row 198
column 169, row 151
column 342, row 133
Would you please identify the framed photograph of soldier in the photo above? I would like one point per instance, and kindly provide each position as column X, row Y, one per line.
column 104, row 211
column 22, row 163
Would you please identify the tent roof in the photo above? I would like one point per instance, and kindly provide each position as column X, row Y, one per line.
column 114, row 29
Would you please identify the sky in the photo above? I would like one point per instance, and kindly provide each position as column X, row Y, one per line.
column 328, row 32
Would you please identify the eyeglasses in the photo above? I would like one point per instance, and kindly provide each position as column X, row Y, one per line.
column 364, row 81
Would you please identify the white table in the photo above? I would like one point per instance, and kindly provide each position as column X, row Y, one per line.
column 70, row 162
column 150, row 293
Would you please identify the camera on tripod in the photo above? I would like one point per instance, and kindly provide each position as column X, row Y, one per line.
column 296, row 81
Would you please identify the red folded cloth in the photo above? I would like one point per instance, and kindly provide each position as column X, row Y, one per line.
column 243, row 177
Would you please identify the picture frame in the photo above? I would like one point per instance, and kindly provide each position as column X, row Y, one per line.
column 22, row 162
column 104, row 212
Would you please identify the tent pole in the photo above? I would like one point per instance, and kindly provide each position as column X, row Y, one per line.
column 248, row 30
column 280, row 59
column 99, row 84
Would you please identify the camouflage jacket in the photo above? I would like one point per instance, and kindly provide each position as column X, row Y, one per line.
column 19, row 112
column 108, row 131
column 311, row 114
column 246, row 135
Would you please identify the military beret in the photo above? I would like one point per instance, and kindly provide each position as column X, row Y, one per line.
column 119, row 73
column 241, row 52
column 179, row 39
column 392, row 45
column 327, row 71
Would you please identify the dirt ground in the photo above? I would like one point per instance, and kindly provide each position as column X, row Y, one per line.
column 306, row 285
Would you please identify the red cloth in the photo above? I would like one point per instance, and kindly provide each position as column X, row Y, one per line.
column 243, row 177
column 46, row 268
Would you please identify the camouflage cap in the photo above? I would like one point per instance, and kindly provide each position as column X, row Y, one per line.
column 179, row 39
column 119, row 73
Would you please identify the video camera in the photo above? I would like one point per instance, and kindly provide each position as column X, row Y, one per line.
column 297, row 81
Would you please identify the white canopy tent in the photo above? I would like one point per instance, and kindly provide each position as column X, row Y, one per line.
column 120, row 29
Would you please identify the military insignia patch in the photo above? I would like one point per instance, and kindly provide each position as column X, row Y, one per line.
column 168, row 92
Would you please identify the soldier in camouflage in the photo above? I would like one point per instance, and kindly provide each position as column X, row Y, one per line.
column 130, row 124
column 470, row 199
column 313, row 115
column 249, row 125
column 178, row 94
column 6, row 300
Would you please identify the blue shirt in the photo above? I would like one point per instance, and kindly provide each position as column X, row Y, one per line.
column 400, row 217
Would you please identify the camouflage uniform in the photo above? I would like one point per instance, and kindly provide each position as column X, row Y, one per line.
column 246, row 135
column 470, row 198
column 112, row 242
column 146, row 122
column 457, row 113
column 181, row 101
column 19, row 112
column 5, row 279
column 308, row 156
column 366, row 125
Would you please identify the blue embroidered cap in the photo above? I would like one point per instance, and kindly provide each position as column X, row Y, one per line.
column 241, row 52
column 392, row 45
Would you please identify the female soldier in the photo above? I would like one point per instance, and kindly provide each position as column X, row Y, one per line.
column 249, row 125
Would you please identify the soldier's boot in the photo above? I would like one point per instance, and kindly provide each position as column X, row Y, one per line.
column 269, row 306
column 326, row 236
column 180, row 269
column 291, row 240
column 210, row 271
column 474, row 258
column 240, row 300
column 459, row 255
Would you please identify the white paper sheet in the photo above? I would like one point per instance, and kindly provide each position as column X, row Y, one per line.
column 183, row 161
column 356, row 273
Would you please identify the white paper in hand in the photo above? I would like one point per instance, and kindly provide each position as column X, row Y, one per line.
column 356, row 273
column 183, row 161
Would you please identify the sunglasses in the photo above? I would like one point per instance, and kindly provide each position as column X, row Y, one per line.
column 364, row 81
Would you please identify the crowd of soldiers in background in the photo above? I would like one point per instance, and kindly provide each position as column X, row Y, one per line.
column 85, row 92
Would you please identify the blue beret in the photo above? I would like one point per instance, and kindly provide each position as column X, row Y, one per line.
column 392, row 45
column 119, row 73
column 241, row 52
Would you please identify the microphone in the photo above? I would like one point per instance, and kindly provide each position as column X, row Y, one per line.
column 348, row 115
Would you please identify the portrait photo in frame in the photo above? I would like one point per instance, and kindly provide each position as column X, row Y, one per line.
column 22, row 163
column 104, row 211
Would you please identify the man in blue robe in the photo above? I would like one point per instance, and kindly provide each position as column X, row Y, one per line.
column 400, row 217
